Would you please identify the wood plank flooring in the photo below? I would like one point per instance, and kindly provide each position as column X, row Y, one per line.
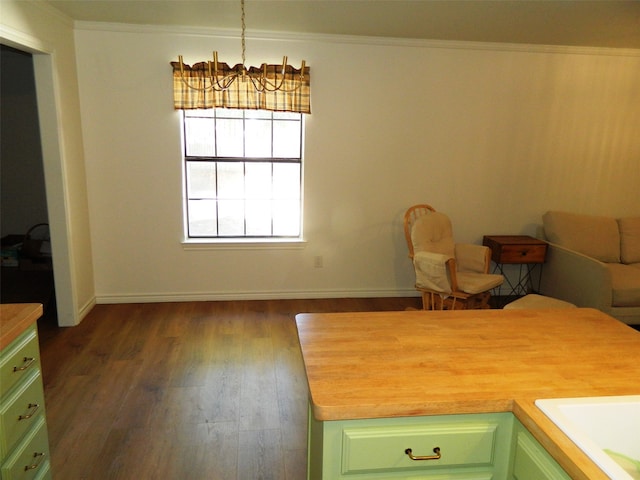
column 199, row 390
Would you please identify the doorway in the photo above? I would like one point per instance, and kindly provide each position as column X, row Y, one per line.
column 27, row 273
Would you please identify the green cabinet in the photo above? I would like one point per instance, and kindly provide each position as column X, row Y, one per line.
column 447, row 447
column 530, row 460
column 492, row 446
column 24, row 446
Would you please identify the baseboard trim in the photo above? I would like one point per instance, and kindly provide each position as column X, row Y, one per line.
column 225, row 296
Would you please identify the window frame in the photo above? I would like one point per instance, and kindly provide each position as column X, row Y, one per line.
column 193, row 238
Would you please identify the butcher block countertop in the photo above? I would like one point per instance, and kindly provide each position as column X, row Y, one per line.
column 15, row 318
column 414, row 363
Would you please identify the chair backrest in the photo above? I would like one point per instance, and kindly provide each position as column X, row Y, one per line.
column 427, row 230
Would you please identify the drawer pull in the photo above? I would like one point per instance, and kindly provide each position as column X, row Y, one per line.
column 436, row 451
column 33, row 407
column 27, row 361
column 37, row 460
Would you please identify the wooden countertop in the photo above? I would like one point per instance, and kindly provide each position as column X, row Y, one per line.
column 15, row 318
column 390, row 364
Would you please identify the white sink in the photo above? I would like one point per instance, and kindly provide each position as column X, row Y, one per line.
column 607, row 429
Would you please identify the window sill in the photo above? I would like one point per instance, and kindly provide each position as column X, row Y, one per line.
column 243, row 244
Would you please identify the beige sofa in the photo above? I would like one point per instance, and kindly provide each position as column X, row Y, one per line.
column 593, row 261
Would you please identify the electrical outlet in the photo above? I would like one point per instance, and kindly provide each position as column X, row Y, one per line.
column 318, row 261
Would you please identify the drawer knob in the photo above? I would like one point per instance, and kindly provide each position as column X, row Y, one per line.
column 33, row 408
column 436, row 455
column 27, row 361
column 37, row 460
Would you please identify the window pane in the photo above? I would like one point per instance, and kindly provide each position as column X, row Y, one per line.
column 231, row 218
column 258, row 180
column 286, row 218
column 286, row 180
column 258, row 133
column 258, row 114
column 286, row 116
column 204, row 112
column 230, row 180
column 229, row 134
column 258, row 216
column 228, row 113
column 201, row 178
column 202, row 218
column 200, row 137
column 286, row 139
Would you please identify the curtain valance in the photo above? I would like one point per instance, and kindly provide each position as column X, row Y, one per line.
column 193, row 88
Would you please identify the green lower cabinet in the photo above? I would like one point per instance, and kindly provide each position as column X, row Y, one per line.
column 531, row 461
column 492, row 446
column 447, row 447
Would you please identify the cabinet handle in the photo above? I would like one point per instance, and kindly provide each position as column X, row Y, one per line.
column 38, row 458
column 33, row 407
column 27, row 361
column 436, row 451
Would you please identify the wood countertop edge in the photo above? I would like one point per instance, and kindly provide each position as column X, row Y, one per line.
column 15, row 318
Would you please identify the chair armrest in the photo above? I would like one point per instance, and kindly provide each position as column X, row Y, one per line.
column 432, row 271
column 571, row 276
column 472, row 258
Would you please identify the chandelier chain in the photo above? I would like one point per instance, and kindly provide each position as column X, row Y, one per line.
column 242, row 35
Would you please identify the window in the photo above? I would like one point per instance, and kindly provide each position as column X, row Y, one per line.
column 243, row 172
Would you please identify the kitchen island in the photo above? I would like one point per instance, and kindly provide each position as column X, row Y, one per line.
column 395, row 366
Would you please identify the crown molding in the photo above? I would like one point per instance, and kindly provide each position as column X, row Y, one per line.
column 354, row 39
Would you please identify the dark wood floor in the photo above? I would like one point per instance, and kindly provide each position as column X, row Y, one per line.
column 202, row 390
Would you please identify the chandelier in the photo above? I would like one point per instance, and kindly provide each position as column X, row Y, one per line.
column 267, row 78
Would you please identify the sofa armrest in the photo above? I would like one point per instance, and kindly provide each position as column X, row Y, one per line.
column 576, row 278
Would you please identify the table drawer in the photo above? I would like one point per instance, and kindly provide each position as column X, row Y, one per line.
column 20, row 410
column 378, row 449
column 19, row 359
column 30, row 460
column 521, row 254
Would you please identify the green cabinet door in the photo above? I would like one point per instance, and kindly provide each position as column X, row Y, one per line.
column 531, row 461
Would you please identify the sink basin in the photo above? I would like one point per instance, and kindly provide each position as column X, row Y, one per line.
column 606, row 429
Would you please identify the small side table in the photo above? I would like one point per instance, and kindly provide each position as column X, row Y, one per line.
column 526, row 251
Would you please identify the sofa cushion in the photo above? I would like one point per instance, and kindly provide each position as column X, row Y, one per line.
column 625, row 280
column 629, row 239
column 594, row 236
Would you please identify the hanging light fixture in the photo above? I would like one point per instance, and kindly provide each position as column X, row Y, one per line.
column 220, row 79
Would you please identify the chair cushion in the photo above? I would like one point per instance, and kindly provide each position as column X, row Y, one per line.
column 625, row 280
column 596, row 237
column 629, row 239
column 478, row 282
column 433, row 233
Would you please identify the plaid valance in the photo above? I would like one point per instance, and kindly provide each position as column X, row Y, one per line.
column 192, row 89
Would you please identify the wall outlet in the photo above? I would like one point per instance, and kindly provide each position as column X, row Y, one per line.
column 318, row 261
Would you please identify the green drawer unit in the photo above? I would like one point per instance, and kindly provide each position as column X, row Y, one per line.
column 19, row 410
column 531, row 461
column 19, row 358
column 24, row 444
column 447, row 447
column 30, row 460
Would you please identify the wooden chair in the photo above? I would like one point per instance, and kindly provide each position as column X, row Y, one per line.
column 448, row 275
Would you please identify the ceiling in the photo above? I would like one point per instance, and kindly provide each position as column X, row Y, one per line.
column 605, row 23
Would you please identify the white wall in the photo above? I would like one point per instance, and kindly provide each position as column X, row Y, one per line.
column 493, row 136
column 36, row 28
